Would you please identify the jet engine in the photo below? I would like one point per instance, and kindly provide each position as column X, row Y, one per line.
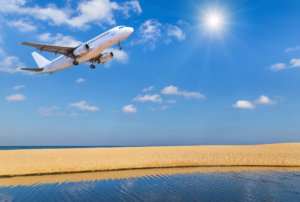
column 106, row 57
column 81, row 50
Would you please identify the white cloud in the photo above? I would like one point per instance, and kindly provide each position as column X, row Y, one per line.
column 171, row 101
column 55, row 111
column 119, row 55
column 59, row 39
column 189, row 95
column 51, row 12
column 19, row 87
column 12, row 64
column 182, row 22
column 243, row 104
column 153, row 109
column 45, row 111
column 148, row 98
column 295, row 63
column 90, row 11
column 150, row 88
column 264, row 100
column 174, row 31
column 165, row 107
column 15, row 97
column 152, row 30
column 22, row 25
column 149, row 32
column 129, row 109
column 278, row 66
column 50, row 111
column 84, row 106
column 173, row 90
column 73, row 114
column 80, row 80
column 292, row 49
column 162, row 108
column 170, row 90
column 129, row 6
column 94, row 10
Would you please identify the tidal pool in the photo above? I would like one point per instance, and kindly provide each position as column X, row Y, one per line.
column 169, row 184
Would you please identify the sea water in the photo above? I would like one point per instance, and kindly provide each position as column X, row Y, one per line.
column 181, row 184
column 50, row 147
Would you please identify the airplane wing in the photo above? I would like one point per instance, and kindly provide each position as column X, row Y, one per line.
column 63, row 50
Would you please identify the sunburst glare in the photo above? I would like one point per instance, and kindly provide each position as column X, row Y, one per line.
column 214, row 21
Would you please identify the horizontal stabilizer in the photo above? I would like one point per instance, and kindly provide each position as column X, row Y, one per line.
column 33, row 69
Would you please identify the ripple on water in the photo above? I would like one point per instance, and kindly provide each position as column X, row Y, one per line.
column 184, row 184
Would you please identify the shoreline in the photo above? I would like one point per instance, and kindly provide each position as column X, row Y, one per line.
column 37, row 162
column 148, row 168
column 133, row 173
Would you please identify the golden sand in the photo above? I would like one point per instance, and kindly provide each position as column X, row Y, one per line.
column 47, row 161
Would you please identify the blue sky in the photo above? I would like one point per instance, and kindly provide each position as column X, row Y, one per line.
column 176, row 82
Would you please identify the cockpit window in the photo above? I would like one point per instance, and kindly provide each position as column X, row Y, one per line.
column 121, row 27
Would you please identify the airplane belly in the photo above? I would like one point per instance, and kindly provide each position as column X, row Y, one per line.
column 89, row 55
column 95, row 51
column 61, row 64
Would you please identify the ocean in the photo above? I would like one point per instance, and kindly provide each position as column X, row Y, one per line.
column 50, row 147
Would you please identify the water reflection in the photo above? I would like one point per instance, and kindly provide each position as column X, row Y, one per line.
column 176, row 184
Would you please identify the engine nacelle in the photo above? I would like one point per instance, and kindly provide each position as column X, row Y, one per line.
column 81, row 50
column 106, row 57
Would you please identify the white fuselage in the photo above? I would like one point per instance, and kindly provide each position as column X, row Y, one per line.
column 96, row 47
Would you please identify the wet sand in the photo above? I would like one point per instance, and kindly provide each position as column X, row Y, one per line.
column 51, row 161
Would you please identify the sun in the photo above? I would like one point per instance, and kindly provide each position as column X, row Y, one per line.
column 214, row 21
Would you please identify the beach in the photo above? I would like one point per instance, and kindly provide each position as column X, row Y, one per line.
column 55, row 161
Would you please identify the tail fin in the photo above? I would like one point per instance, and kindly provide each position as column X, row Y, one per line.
column 40, row 60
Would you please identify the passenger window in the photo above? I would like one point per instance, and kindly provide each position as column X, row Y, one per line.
column 121, row 27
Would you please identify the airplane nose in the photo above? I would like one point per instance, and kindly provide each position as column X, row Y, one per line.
column 130, row 29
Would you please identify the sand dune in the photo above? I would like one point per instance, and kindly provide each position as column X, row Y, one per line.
column 46, row 161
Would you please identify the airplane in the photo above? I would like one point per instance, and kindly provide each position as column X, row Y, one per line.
column 90, row 51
